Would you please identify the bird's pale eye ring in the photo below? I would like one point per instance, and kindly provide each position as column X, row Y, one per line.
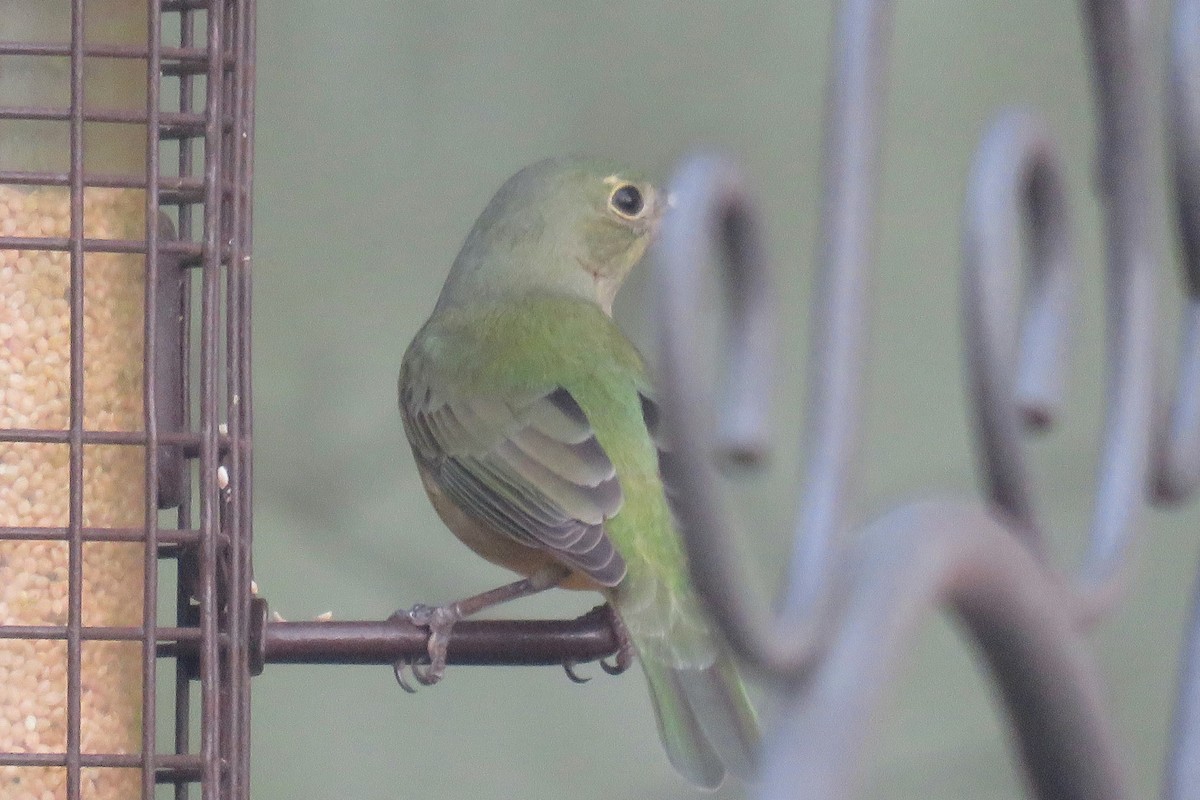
column 627, row 202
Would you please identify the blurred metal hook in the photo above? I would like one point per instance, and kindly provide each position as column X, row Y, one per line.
column 1117, row 32
column 710, row 193
column 956, row 556
column 1178, row 464
column 848, row 609
column 713, row 224
column 1015, row 170
column 1016, row 183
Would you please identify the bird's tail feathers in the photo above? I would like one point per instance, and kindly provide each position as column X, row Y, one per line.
column 707, row 723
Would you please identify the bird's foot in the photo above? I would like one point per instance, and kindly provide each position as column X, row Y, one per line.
column 440, row 620
column 623, row 658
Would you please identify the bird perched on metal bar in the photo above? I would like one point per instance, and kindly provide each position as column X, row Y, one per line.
column 533, row 425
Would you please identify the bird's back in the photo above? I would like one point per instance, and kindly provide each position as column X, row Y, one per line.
column 531, row 346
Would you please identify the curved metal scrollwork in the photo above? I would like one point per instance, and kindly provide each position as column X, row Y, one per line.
column 1016, row 378
column 851, row 604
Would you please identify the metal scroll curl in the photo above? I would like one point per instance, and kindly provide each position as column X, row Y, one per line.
column 851, row 603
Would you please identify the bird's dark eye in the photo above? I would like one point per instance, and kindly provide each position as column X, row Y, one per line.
column 627, row 200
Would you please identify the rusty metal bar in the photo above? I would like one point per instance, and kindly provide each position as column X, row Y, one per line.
column 238, row 390
column 244, row 187
column 172, row 124
column 168, row 536
column 98, row 633
column 187, row 560
column 180, row 54
column 66, row 244
column 75, row 515
column 206, row 590
column 150, row 409
column 92, row 436
column 473, row 642
column 171, row 767
column 172, row 190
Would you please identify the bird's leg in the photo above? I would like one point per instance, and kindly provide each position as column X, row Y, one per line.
column 440, row 620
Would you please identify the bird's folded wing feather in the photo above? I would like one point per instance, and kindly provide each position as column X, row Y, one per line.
column 530, row 467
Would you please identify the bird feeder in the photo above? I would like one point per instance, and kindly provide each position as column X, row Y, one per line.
column 125, row 154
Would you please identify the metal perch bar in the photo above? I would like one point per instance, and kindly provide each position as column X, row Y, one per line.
column 476, row 642
column 473, row 642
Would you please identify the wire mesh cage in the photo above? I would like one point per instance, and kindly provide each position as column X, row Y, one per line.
column 125, row 407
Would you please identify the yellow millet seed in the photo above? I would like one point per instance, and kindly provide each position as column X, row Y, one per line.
column 35, row 359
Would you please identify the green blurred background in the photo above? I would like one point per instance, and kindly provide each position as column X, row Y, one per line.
column 383, row 128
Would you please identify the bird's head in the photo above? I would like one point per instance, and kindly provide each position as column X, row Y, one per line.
column 573, row 226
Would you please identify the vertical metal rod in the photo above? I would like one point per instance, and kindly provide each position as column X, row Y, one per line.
column 238, row 612
column 209, row 316
column 246, row 73
column 1117, row 31
column 75, row 513
column 182, row 678
column 1179, row 456
column 1183, row 107
column 839, row 324
column 1182, row 780
column 230, row 685
column 150, row 405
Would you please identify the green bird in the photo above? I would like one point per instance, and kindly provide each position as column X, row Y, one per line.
column 532, row 421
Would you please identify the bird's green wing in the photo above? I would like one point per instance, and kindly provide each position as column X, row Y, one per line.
column 529, row 465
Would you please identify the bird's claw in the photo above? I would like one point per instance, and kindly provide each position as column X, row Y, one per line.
column 623, row 658
column 575, row 677
column 440, row 621
column 426, row 674
column 406, row 664
column 619, row 663
column 399, row 669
